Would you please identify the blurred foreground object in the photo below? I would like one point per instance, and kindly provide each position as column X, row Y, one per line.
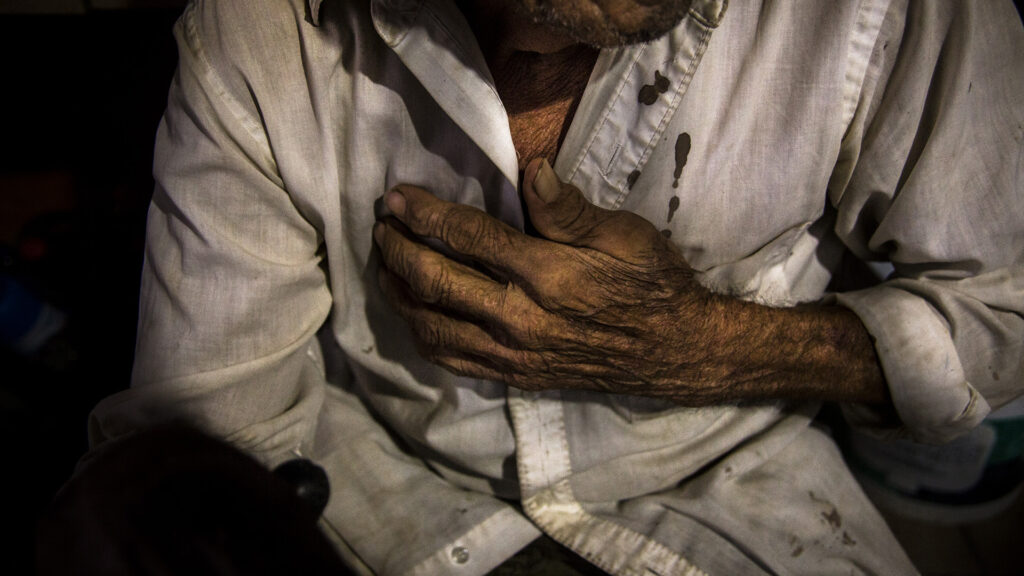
column 174, row 501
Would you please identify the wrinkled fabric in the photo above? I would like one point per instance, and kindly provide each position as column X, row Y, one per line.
column 788, row 137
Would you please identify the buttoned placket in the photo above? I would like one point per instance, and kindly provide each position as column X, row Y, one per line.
column 616, row 128
column 614, row 131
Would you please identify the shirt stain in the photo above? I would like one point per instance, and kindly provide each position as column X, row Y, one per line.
column 682, row 153
column 649, row 92
column 673, row 205
column 666, row 233
column 796, row 546
column 847, row 540
column 833, row 518
column 632, row 178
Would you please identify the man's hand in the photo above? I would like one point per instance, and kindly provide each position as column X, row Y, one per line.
column 602, row 302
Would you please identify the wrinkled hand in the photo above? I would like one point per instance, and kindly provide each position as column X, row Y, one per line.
column 602, row 302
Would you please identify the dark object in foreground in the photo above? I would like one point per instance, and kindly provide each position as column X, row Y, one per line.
column 309, row 482
column 174, row 501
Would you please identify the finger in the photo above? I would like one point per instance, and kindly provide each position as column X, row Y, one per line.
column 464, row 229
column 442, row 335
column 468, row 367
column 474, row 367
column 433, row 279
column 560, row 212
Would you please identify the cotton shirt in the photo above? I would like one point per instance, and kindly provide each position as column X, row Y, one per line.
column 766, row 142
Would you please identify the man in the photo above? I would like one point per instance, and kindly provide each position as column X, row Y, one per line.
column 323, row 279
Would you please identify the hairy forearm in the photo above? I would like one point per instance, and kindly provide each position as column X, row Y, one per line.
column 809, row 351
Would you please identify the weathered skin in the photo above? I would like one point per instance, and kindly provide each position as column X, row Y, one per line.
column 603, row 301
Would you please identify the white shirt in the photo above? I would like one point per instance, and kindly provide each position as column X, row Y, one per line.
column 813, row 128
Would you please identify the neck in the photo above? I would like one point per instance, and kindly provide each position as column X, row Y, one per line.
column 539, row 74
column 502, row 31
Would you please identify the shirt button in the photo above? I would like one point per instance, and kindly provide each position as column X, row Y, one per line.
column 460, row 554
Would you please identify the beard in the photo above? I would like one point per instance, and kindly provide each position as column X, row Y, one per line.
column 602, row 32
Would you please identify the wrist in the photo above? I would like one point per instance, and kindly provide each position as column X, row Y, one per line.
column 748, row 351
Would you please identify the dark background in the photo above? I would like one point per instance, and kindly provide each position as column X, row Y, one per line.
column 81, row 97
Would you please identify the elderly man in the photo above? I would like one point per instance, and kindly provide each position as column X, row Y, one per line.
column 519, row 271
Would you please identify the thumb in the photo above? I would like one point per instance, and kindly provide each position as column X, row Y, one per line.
column 560, row 213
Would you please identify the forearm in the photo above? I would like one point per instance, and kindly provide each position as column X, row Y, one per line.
column 604, row 302
column 809, row 351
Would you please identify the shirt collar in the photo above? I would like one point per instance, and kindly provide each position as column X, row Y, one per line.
column 314, row 11
column 709, row 12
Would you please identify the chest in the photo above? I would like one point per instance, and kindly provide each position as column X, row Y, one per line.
column 539, row 132
column 540, row 94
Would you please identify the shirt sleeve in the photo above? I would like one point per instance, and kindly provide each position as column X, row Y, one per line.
column 233, row 291
column 930, row 179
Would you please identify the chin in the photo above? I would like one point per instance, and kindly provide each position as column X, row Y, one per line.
column 608, row 23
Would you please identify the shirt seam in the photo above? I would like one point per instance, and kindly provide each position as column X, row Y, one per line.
column 455, row 41
column 493, row 518
column 597, row 524
column 247, row 122
column 707, row 22
column 861, row 46
column 677, row 98
column 598, row 126
column 379, row 5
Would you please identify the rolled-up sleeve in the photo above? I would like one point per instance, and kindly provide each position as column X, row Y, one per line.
column 233, row 291
column 930, row 179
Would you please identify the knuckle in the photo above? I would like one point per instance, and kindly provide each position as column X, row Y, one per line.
column 392, row 251
column 471, row 231
column 455, row 365
column 523, row 332
column 437, row 335
column 432, row 220
column 577, row 218
column 437, row 288
column 518, row 325
column 430, row 281
column 427, row 277
column 517, row 380
column 428, row 333
column 463, row 229
column 553, row 280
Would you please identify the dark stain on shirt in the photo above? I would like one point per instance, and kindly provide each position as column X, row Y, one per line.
column 673, row 205
column 682, row 153
column 833, row 518
column 847, row 540
column 798, row 547
column 666, row 233
column 632, row 178
column 649, row 92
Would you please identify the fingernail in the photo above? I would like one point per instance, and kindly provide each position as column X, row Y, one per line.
column 378, row 232
column 395, row 202
column 546, row 183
